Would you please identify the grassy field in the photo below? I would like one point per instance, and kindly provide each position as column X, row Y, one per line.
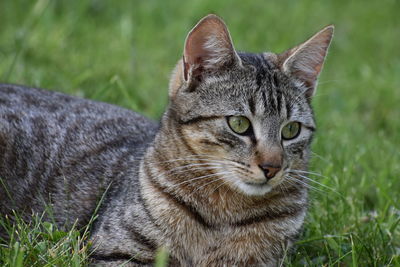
column 122, row 52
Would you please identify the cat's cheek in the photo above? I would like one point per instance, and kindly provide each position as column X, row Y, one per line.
column 298, row 159
column 196, row 140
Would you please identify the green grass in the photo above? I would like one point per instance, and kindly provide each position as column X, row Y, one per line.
column 122, row 52
column 40, row 243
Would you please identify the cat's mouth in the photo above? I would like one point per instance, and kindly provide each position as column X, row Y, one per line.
column 259, row 187
column 257, row 183
column 254, row 189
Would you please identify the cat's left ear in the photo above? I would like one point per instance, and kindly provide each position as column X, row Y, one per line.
column 208, row 49
column 304, row 62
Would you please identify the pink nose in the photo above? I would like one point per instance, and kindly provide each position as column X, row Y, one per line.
column 269, row 170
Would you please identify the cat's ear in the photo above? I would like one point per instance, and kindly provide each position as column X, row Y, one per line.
column 304, row 62
column 208, row 47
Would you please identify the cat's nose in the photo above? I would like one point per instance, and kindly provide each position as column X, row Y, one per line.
column 270, row 170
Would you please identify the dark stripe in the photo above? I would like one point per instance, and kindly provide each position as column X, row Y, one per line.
column 271, row 99
column 259, row 62
column 311, row 128
column 298, row 147
column 241, row 163
column 271, row 215
column 198, row 119
column 300, row 106
column 279, row 100
column 143, row 239
column 264, row 99
column 182, row 205
column 139, row 237
column 183, row 140
column 275, row 80
column 88, row 153
column 288, row 109
column 208, row 142
column 243, row 169
column 228, row 138
column 186, row 207
column 226, row 141
column 252, row 106
column 117, row 256
column 260, row 77
column 146, row 209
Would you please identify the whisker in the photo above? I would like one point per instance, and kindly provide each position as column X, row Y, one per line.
column 283, row 188
column 203, row 157
column 182, row 170
column 218, row 157
column 305, row 184
column 186, row 159
column 201, row 161
column 195, row 169
column 325, row 186
column 319, row 156
column 244, row 172
column 198, row 178
column 201, row 187
column 234, row 165
column 194, row 165
column 289, row 180
column 318, row 183
column 308, row 172
column 227, row 188
column 293, row 181
column 225, row 182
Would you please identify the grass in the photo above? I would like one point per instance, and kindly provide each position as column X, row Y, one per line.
column 122, row 52
column 40, row 243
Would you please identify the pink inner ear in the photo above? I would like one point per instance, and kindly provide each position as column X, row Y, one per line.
column 195, row 48
column 207, row 46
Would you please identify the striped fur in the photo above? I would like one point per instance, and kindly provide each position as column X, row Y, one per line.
column 189, row 184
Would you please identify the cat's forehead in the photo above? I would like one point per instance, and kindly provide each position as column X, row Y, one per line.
column 258, row 85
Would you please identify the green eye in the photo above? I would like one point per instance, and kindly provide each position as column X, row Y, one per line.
column 239, row 124
column 291, row 130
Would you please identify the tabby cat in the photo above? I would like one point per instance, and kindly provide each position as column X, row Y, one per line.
column 218, row 182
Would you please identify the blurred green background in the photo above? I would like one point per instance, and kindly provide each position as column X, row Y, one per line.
column 122, row 52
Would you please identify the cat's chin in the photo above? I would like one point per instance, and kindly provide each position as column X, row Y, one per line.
column 251, row 189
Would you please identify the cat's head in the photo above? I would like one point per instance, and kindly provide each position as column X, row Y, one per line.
column 247, row 115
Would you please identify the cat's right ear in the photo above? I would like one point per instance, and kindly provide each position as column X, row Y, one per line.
column 208, row 48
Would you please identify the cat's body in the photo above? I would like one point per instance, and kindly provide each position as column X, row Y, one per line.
column 210, row 191
column 64, row 147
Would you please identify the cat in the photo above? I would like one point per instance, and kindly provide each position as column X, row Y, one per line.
column 218, row 182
